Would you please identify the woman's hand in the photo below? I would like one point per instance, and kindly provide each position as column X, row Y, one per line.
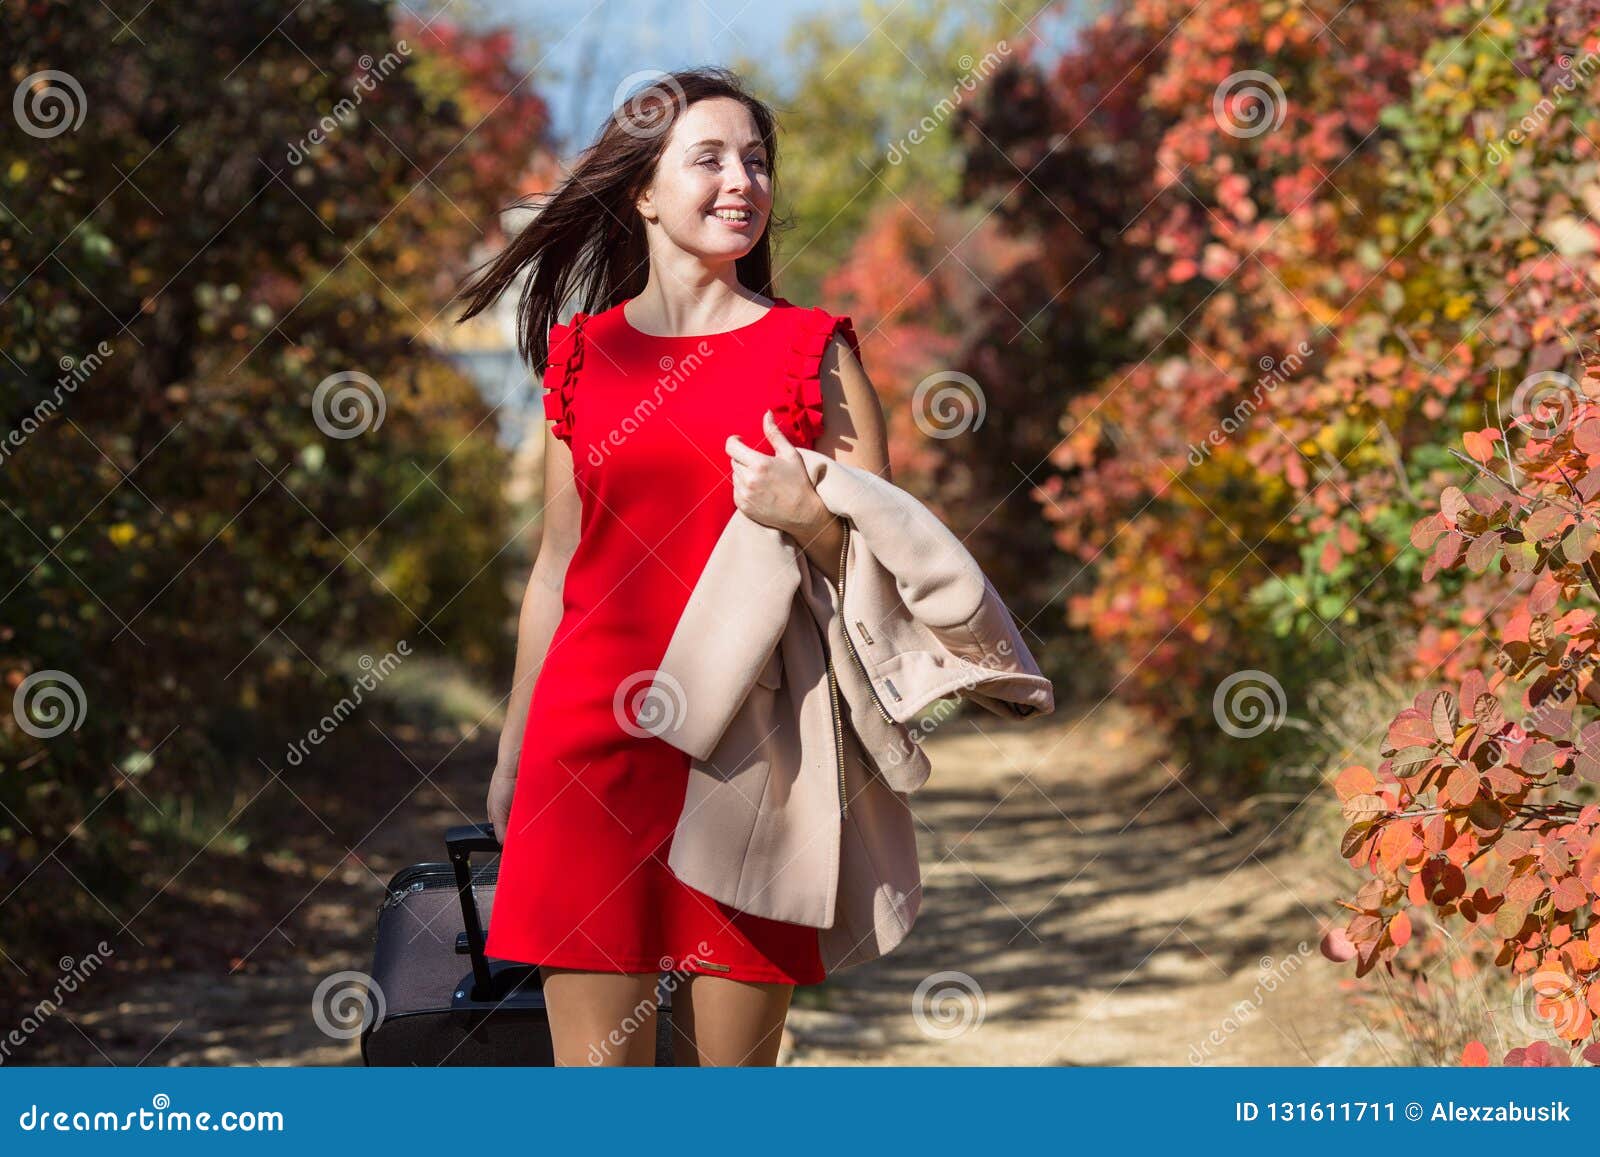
column 775, row 489
column 502, row 785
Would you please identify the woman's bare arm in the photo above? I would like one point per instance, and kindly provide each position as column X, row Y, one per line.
column 538, row 618
column 853, row 431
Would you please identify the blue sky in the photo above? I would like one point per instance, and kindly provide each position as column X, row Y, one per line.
column 585, row 49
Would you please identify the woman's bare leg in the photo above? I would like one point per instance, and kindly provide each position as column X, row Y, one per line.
column 720, row 1021
column 601, row 1018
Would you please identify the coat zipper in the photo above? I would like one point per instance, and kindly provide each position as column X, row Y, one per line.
column 833, row 686
column 838, row 736
column 833, row 678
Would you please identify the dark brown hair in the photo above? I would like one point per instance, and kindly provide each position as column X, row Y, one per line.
column 588, row 241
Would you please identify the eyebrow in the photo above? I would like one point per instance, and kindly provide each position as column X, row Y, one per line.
column 716, row 141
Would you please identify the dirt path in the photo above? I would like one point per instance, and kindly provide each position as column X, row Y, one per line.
column 1087, row 908
column 1103, row 912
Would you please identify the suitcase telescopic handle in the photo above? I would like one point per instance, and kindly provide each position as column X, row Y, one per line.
column 472, row 838
column 462, row 841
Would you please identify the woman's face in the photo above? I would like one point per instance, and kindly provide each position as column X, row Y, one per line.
column 712, row 193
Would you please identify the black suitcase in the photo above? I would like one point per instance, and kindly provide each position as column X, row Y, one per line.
column 438, row 999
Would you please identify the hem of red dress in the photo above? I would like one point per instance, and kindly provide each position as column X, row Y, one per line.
column 653, row 964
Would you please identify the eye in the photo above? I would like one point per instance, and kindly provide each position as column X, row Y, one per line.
column 758, row 161
column 706, row 158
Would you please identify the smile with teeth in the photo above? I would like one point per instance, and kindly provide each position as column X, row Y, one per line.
column 736, row 215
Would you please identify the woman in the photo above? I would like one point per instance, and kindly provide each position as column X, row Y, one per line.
column 680, row 399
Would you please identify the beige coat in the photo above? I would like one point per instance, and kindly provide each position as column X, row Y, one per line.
column 803, row 723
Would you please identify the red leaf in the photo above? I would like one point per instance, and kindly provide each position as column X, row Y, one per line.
column 1427, row 531
column 1460, row 787
column 1541, row 1055
column 1541, row 524
column 1336, row 946
column 1570, row 894
column 1587, row 436
column 1410, row 729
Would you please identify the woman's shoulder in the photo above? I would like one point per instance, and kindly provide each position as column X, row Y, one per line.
column 587, row 322
column 799, row 309
column 812, row 329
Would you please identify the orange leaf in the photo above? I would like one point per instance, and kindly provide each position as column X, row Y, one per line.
column 1570, row 895
column 1355, row 780
column 1460, row 787
column 1417, row 889
column 1393, row 844
column 1475, row 1055
column 1480, row 444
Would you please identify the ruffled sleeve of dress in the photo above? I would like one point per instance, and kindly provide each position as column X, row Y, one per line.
column 800, row 417
column 561, row 374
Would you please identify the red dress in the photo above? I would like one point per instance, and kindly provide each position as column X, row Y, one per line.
column 584, row 881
